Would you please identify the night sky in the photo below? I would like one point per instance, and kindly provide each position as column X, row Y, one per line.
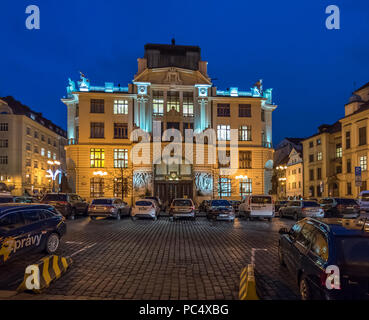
column 311, row 69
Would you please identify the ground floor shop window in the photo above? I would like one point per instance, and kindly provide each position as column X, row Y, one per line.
column 96, row 187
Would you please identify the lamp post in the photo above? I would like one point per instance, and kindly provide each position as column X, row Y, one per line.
column 53, row 172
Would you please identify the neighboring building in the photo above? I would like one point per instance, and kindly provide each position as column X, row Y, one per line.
column 294, row 175
column 172, row 87
column 27, row 142
column 281, row 159
column 331, row 155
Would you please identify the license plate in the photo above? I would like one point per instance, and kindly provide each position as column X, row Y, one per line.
column 142, row 209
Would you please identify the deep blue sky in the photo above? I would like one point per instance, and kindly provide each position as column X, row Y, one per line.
column 311, row 69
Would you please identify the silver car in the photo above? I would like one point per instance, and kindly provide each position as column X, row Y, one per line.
column 299, row 209
column 109, row 208
column 182, row 208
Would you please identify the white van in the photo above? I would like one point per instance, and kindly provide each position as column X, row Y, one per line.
column 364, row 201
column 257, row 206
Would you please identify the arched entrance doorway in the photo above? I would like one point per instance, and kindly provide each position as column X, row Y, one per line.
column 173, row 181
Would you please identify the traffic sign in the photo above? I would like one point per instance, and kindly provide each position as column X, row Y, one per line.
column 358, row 176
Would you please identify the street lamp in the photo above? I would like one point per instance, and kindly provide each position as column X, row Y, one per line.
column 54, row 171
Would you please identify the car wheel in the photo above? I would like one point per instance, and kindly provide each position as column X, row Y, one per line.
column 280, row 257
column 305, row 291
column 52, row 243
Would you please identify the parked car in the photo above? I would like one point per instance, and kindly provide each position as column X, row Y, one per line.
column 182, row 208
column 109, row 208
column 158, row 202
column 220, row 210
column 204, row 205
column 26, row 227
column 6, row 197
column 363, row 201
column 25, row 200
column 340, row 207
column 257, row 206
column 145, row 208
column 279, row 204
column 311, row 245
column 299, row 209
column 69, row 204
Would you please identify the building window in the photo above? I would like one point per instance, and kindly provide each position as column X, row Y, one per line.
column 339, row 169
column 48, row 141
column 120, row 131
column 311, row 158
column 28, row 162
column 35, row 164
column 223, row 159
column 120, row 107
column 319, row 156
column 224, row 110
column 96, row 187
column 349, row 188
column 158, row 103
column 120, row 158
column 262, row 115
column 311, row 144
column 77, row 111
column 4, row 160
column 318, row 191
column 35, row 149
column 311, row 191
column 245, row 187
column 319, row 173
column 224, row 132
column 173, row 101
column 244, row 133
column 118, row 187
column 49, row 154
column 362, row 136
column 42, row 138
column 363, row 163
column 348, row 139
column 311, row 174
column 54, row 143
column 97, row 130
column 43, row 152
column 3, row 143
column 4, row 127
column 348, row 166
column 188, row 104
column 318, row 142
column 97, row 158
column 28, row 146
column 244, row 110
column 244, row 159
column 97, row 106
column 54, row 156
column 224, row 187
column 338, row 151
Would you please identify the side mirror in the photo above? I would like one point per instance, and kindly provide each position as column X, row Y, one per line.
column 283, row 231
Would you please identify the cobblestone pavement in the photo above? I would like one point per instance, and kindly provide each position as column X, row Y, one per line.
column 162, row 259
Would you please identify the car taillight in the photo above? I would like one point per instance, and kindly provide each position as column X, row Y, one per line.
column 62, row 203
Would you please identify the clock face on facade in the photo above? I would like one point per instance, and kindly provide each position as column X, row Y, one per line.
column 142, row 90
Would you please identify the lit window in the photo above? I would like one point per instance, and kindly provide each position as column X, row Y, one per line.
column 97, row 158
column 338, row 150
column 120, row 107
column 244, row 133
column 96, row 187
column 319, row 156
column 158, row 103
column 363, row 163
column 49, row 154
column 245, row 187
column 173, row 101
column 188, row 104
column 120, row 158
column 223, row 132
column 43, row 152
column 54, row 156
column 224, row 187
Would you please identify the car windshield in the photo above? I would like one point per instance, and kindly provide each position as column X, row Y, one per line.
column 182, row 203
column 354, row 251
column 261, row 200
column 365, row 196
column 152, row 198
column 102, row 201
column 326, row 201
column 347, row 202
column 6, row 200
column 55, row 197
column 311, row 204
column 143, row 203
column 220, row 203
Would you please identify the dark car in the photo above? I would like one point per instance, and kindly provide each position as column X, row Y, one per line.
column 220, row 210
column 312, row 245
column 69, row 204
column 235, row 204
column 340, row 207
column 204, row 205
column 26, row 227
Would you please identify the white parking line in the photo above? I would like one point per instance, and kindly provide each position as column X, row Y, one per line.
column 74, row 242
column 83, row 249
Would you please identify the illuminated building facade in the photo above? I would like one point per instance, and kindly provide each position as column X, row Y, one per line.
column 28, row 144
column 172, row 88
